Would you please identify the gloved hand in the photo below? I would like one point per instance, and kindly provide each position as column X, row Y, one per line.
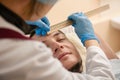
column 42, row 26
column 83, row 27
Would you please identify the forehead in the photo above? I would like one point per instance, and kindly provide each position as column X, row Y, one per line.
column 55, row 34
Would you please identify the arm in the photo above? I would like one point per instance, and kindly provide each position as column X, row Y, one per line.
column 45, row 67
column 97, row 63
column 98, row 66
column 106, row 48
column 37, row 63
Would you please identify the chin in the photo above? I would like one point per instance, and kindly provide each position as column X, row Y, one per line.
column 69, row 64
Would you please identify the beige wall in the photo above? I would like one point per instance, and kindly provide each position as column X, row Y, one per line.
column 114, row 10
column 64, row 8
column 108, row 33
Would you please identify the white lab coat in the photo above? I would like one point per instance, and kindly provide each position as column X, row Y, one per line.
column 116, row 67
column 32, row 60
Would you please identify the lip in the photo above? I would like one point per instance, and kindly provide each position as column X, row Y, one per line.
column 62, row 55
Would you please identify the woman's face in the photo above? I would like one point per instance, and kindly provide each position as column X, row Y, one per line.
column 62, row 48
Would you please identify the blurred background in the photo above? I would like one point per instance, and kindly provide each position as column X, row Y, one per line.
column 106, row 24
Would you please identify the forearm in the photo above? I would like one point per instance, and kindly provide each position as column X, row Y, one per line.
column 98, row 68
column 51, row 68
column 97, row 64
column 106, row 48
column 89, row 43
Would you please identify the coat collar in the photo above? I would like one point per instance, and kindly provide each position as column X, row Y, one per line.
column 14, row 19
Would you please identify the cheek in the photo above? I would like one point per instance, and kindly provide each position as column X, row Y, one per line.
column 74, row 51
column 76, row 54
column 70, row 61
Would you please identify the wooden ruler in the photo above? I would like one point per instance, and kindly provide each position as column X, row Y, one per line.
column 69, row 22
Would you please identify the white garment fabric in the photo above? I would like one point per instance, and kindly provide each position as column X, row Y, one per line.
column 32, row 60
column 116, row 67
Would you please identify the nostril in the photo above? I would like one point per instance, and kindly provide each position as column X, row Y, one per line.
column 56, row 50
column 61, row 46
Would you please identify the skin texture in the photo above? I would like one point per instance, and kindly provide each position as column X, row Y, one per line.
column 27, row 9
column 24, row 7
column 59, row 44
column 62, row 48
column 32, row 10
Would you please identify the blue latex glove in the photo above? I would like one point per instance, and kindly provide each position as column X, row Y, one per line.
column 42, row 26
column 83, row 27
column 49, row 2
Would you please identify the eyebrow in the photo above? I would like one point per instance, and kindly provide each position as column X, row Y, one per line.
column 54, row 35
column 57, row 33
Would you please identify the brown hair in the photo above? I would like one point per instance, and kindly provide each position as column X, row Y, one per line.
column 32, row 33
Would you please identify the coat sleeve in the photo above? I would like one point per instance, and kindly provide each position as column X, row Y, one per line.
column 28, row 60
column 48, row 68
column 116, row 67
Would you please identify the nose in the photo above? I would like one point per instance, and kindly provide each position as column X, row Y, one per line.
column 56, row 47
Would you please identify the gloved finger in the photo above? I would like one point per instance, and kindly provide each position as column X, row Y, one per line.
column 74, row 18
column 39, row 23
column 38, row 32
column 81, row 14
column 43, row 33
column 77, row 17
column 49, row 2
column 29, row 22
column 45, row 27
column 42, row 25
column 45, row 20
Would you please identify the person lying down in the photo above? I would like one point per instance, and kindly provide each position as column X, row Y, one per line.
column 68, row 48
column 63, row 49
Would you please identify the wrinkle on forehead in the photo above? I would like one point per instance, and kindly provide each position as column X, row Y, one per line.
column 51, row 35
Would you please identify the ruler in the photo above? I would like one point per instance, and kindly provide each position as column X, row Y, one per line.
column 69, row 22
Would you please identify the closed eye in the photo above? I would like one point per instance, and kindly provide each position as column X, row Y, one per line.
column 61, row 39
